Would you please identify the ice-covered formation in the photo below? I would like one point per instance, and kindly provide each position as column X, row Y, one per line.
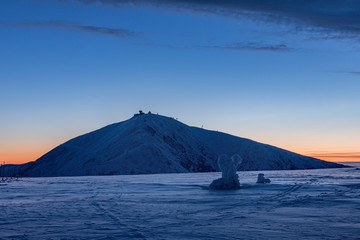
column 229, row 179
column 262, row 179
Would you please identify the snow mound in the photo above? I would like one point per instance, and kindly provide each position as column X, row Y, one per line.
column 229, row 179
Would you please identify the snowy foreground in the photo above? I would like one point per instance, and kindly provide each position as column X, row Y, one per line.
column 303, row 204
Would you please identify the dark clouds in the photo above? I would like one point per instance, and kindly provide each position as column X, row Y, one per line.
column 321, row 20
column 326, row 16
column 116, row 32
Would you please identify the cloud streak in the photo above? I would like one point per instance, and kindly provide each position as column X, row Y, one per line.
column 354, row 72
column 249, row 46
column 125, row 33
column 252, row 46
column 347, row 72
column 342, row 17
column 115, row 32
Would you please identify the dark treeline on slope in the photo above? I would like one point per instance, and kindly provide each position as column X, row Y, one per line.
column 9, row 172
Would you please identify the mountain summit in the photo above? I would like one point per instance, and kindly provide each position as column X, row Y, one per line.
column 150, row 143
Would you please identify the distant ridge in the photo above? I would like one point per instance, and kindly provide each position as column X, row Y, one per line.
column 150, row 143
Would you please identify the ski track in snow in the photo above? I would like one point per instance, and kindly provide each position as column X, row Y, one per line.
column 303, row 204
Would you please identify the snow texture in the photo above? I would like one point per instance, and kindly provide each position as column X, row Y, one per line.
column 304, row 204
column 151, row 143
column 262, row 179
column 229, row 179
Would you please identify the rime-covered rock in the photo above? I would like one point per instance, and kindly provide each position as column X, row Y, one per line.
column 229, row 179
column 262, row 179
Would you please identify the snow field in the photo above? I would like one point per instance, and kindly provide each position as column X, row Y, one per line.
column 302, row 204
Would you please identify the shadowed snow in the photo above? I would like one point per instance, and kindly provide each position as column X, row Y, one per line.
column 304, row 204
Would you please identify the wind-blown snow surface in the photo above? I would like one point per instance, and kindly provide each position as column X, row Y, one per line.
column 303, row 204
column 156, row 144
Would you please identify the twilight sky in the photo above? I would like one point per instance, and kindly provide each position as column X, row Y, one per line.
column 282, row 72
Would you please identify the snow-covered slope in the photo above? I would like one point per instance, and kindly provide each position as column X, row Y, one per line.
column 157, row 144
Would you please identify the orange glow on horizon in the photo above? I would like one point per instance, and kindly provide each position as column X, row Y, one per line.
column 337, row 157
column 20, row 156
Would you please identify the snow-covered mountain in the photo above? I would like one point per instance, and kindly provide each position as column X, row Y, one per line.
column 152, row 143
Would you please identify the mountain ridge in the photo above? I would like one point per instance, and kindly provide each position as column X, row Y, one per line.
column 150, row 143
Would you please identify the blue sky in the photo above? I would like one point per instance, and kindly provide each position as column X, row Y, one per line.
column 284, row 73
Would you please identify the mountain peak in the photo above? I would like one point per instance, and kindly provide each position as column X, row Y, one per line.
column 151, row 116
